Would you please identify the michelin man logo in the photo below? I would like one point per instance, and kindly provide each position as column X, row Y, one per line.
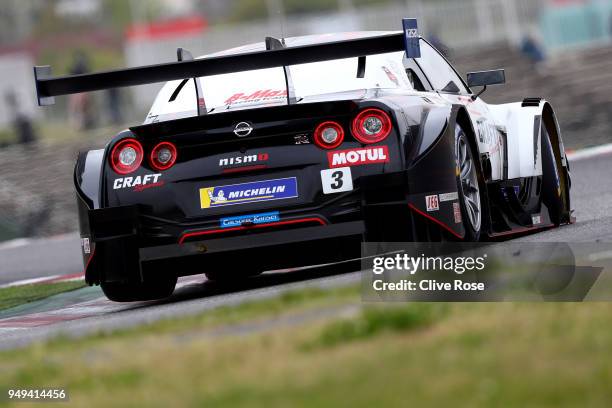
column 219, row 198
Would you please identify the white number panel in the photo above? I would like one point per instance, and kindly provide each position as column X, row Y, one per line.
column 337, row 180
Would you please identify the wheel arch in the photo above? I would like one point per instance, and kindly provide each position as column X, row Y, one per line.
column 87, row 182
column 88, row 176
column 463, row 120
column 549, row 119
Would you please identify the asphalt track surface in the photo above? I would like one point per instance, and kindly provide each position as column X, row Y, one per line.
column 85, row 311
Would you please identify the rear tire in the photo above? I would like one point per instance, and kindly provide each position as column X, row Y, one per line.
column 468, row 185
column 160, row 288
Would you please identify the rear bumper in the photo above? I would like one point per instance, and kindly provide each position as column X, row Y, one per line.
column 264, row 251
column 278, row 240
column 119, row 255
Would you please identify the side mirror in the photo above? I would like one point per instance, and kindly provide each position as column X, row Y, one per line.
column 485, row 78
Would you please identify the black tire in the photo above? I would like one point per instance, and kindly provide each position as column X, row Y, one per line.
column 159, row 288
column 552, row 195
column 469, row 186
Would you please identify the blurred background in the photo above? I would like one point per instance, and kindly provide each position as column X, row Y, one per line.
column 558, row 49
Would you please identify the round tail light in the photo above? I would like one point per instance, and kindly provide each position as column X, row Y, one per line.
column 329, row 135
column 126, row 156
column 371, row 126
column 163, row 156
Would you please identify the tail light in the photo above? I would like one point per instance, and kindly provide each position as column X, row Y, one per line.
column 163, row 156
column 371, row 126
column 126, row 156
column 329, row 135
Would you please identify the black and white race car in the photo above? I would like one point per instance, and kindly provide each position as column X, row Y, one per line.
column 292, row 152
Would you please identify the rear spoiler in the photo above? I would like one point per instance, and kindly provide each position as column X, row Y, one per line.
column 48, row 87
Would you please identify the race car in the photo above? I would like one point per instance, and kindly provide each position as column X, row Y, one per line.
column 292, row 152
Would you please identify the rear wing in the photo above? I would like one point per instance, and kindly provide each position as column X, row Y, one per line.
column 47, row 87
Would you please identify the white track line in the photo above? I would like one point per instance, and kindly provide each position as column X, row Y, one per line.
column 590, row 152
column 15, row 243
column 45, row 279
column 185, row 280
column 28, row 281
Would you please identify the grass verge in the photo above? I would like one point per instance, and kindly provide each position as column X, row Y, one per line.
column 375, row 320
column 18, row 295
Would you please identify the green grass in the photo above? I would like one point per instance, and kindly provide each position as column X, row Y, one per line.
column 421, row 354
column 248, row 311
column 19, row 295
column 375, row 320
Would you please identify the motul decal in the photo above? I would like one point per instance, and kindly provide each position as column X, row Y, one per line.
column 358, row 157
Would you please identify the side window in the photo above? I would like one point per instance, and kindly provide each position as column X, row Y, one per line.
column 415, row 75
column 440, row 74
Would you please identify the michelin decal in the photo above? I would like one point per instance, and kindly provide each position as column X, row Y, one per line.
column 244, row 193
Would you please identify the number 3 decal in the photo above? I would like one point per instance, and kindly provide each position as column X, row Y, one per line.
column 337, row 180
column 337, row 176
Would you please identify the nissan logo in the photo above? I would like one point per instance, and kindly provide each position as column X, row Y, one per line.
column 243, row 129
